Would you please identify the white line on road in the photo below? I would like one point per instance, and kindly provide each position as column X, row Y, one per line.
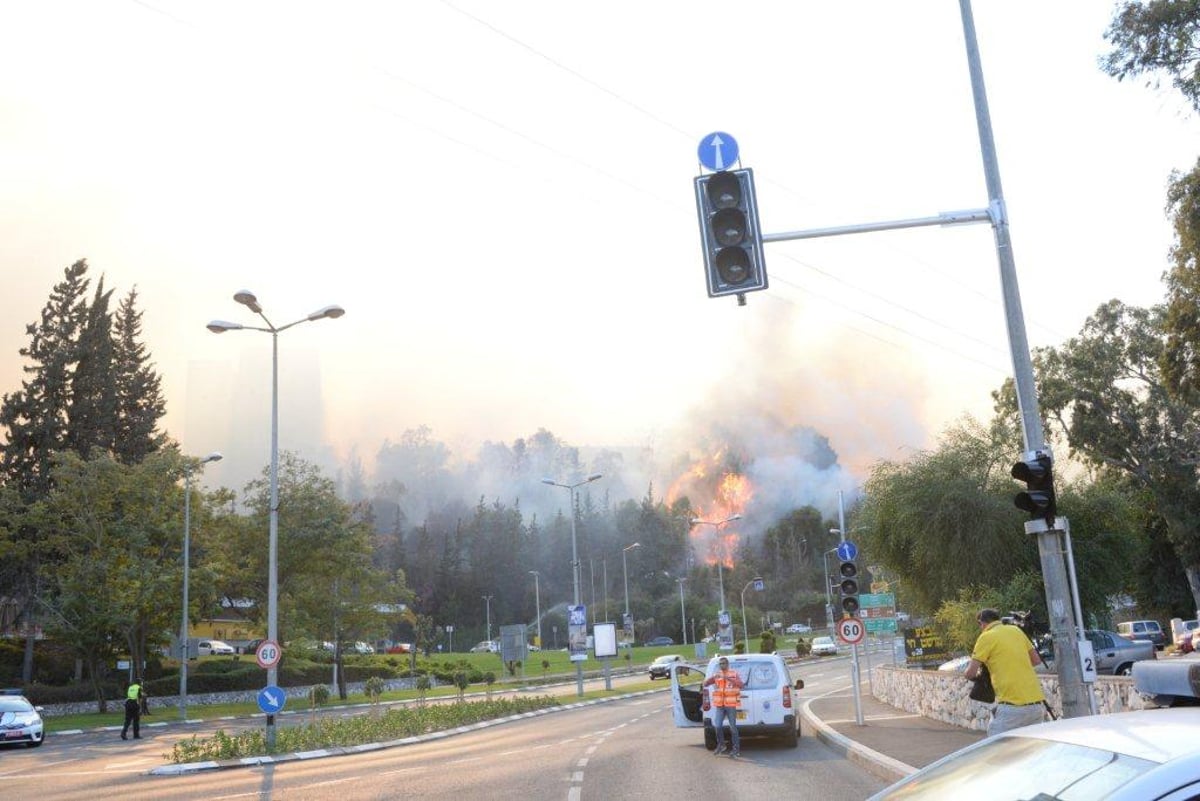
column 582, row 763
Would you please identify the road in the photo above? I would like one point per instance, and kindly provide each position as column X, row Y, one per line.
column 626, row 749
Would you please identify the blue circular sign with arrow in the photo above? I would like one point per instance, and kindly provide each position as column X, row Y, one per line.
column 847, row 551
column 718, row 151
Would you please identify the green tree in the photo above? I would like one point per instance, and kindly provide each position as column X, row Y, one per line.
column 139, row 401
column 1157, row 37
column 944, row 519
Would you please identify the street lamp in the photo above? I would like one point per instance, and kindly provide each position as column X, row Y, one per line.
column 487, row 600
column 247, row 299
column 625, row 567
column 537, row 600
column 187, row 552
column 720, row 557
column 570, row 488
column 756, row 582
column 682, row 611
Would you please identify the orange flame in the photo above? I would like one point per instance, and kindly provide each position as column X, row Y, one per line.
column 717, row 493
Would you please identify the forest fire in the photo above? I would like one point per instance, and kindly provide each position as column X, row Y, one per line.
column 718, row 492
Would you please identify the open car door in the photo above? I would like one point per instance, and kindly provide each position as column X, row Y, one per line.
column 687, row 695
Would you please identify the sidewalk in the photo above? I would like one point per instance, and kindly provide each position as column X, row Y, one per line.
column 890, row 743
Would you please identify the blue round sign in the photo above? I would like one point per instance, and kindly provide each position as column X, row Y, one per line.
column 847, row 551
column 718, row 151
column 271, row 699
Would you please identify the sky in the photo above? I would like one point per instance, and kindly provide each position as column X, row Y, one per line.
column 500, row 196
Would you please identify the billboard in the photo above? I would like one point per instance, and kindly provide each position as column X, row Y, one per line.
column 577, row 639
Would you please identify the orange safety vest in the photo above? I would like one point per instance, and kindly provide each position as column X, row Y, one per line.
column 727, row 689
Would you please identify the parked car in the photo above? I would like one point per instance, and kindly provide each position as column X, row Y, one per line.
column 658, row 641
column 660, row 668
column 798, row 628
column 1143, row 630
column 214, row 648
column 1123, row 756
column 1182, row 632
column 362, row 648
column 766, row 707
column 251, row 647
column 486, row 647
column 824, row 646
column 20, row 721
column 400, row 648
column 1115, row 654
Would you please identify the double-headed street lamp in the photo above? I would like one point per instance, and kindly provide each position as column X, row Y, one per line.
column 187, row 551
column 682, row 611
column 574, row 557
column 716, row 524
column 487, row 600
column 537, row 602
column 625, row 568
column 247, row 299
column 755, row 582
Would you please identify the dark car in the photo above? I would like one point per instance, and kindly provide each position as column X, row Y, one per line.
column 660, row 668
column 660, row 641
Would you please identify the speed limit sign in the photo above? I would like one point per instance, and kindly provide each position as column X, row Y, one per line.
column 268, row 654
column 850, row 630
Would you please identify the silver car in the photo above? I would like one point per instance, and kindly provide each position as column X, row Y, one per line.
column 20, row 721
column 1126, row 756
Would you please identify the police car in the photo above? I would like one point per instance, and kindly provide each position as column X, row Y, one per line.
column 20, row 721
column 1124, row 756
column 766, row 706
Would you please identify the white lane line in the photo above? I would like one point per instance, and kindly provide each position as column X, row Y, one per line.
column 574, row 793
column 577, row 777
column 582, row 763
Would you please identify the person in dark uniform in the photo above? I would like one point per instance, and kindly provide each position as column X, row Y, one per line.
column 133, row 711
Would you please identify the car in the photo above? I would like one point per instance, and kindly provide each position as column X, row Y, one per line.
column 1144, row 630
column 214, row 648
column 1182, row 632
column 531, row 648
column 1122, row 756
column 660, row 668
column 251, row 647
column 766, row 707
column 659, row 641
column 798, row 628
column 1116, row 655
column 362, row 648
column 824, row 646
column 486, row 647
column 20, row 721
column 400, row 648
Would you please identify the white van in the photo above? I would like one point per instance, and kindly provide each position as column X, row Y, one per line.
column 766, row 709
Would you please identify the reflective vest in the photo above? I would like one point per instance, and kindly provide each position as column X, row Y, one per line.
column 727, row 689
column 134, row 692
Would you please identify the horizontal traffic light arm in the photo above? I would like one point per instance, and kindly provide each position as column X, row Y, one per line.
column 970, row 216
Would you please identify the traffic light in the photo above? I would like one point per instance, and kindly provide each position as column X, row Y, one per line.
column 849, row 587
column 1037, row 472
column 729, row 232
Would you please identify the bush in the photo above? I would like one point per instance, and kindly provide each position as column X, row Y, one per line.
column 803, row 647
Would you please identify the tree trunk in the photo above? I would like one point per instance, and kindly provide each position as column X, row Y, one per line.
column 1193, row 577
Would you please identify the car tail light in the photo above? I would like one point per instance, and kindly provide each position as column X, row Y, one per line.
column 787, row 697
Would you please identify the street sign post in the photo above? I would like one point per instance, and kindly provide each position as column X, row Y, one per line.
column 718, row 151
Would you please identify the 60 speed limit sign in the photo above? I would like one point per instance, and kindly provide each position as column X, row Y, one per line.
column 268, row 654
column 850, row 630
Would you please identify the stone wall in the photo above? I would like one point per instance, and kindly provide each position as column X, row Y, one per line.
column 942, row 695
column 161, row 704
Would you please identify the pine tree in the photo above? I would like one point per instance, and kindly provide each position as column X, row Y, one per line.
column 91, row 410
column 36, row 415
column 139, row 401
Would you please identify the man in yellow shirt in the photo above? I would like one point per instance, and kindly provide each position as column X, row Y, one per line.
column 1010, row 658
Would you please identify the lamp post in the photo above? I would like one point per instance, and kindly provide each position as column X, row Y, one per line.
column 716, row 524
column 487, row 600
column 537, row 600
column 755, row 582
column 682, row 611
column 187, row 553
column 247, row 299
column 625, row 568
column 570, row 488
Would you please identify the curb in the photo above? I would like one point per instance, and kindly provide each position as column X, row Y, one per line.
column 880, row 765
column 256, row 761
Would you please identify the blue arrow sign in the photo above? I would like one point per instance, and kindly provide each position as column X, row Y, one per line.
column 271, row 699
column 847, row 551
column 718, row 151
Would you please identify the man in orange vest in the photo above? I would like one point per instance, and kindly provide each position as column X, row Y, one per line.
column 726, row 695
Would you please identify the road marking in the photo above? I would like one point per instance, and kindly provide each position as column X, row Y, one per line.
column 582, row 763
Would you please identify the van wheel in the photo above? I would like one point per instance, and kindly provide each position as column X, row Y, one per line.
column 710, row 739
column 792, row 738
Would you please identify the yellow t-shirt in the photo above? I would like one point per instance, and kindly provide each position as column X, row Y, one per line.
column 1005, row 651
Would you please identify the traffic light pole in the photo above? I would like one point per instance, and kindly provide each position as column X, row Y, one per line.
column 855, row 682
column 1073, row 692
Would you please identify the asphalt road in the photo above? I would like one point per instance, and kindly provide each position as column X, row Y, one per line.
column 627, row 749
